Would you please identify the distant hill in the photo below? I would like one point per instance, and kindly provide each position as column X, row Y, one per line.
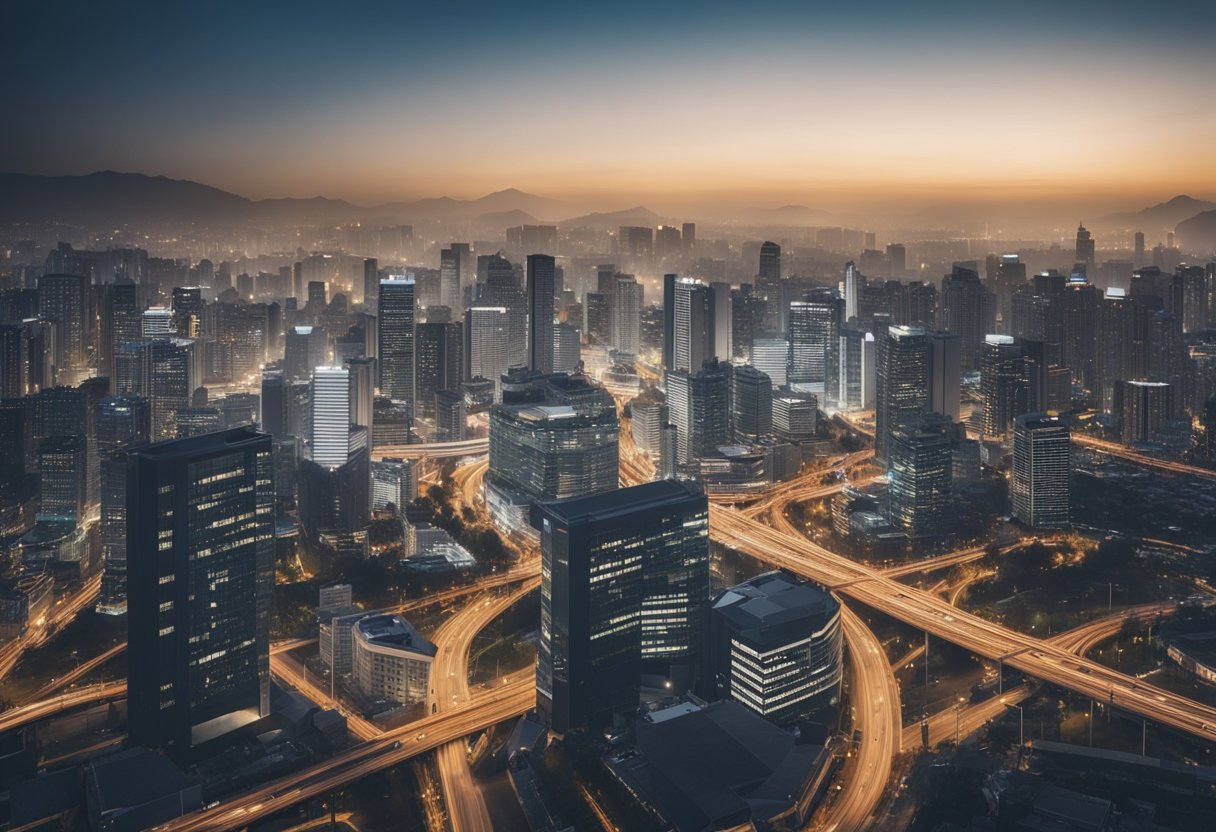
column 638, row 215
column 786, row 214
column 1198, row 234
column 108, row 197
column 1163, row 214
column 506, row 219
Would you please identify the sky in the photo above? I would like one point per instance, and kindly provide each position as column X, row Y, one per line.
column 835, row 105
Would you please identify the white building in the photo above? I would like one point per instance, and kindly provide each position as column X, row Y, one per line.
column 390, row 659
column 330, row 416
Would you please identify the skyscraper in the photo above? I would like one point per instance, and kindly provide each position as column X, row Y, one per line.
column 854, row 387
column 1002, row 384
column 751, row 397
column 944, row 374
column 919, row 468
column 689, row 320
column 63, row 300
column 200, row 532
column 814, row 327
column 371, row 283
column 304, row 351
column 1085, row 246
column 330, row 416
column 902, row 384
column 122, row 423
column 627, row 315
column 439, row 363
column 486, row 338
column 540, row 312
column 395, row 325
column 450, row 278
column 624, row 586
column 1039, row 486
column 1146, row 408
column 699, row 407
column 967, row 310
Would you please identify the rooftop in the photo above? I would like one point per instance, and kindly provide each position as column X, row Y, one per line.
column 773, row 598
column 623, row 501
column 395, row 632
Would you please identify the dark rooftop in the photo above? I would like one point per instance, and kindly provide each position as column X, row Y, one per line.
column 622, row 501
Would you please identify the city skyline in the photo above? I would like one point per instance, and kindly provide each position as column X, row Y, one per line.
column 837, row 109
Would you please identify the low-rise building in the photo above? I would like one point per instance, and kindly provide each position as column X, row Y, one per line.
column 391, row 660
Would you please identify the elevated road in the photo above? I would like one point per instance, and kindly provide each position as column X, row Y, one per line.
column 931, row 614
column 64, row 702
column 63, row 613
column 1131, row 455
column 434, row 450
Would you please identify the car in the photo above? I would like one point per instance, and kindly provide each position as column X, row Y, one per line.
column 420, row 737
column 396, row 745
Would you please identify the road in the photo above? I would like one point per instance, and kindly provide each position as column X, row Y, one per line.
column 450, row 689
column 65, row 610
column 929, row 613
column 77, row 673
column 287, row 669
column 433, row 450
column 876, row 715
column 1079, row 640
column 1123, row 452
column 389, row 749
column 46, row 708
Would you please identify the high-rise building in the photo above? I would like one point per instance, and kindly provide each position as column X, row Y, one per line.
column 567, row 350
column 390, row 660
column 776, row 647
column 1147, row 406
column 856, row 373
column 156, row 322
column 751, row 398
column 371, row 283
column 1085, row 246
column 699, row 404
column 768, row 284
column 395, row 351
column 897, row 260
column 852, row 291
column 688, row 330
column 394, row 481
column 122, row 423
column 814, row 328
column 540, row 312
column 165, row 373
column 919, row 468
column 63, row 299
column 627, row 305
column 1042, row 462
column 200, row 538
column 902, row 383
column 305, row 349
column 362, row 391
column 120, row 324
column 967, row 310
column 624, row 588
column 439, row 363
column 450, row 278
column 1002, row 384
column 486, row 339
column 449, row 416
column 945, row 374
column 331, row 425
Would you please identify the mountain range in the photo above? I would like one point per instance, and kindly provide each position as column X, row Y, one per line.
column 1163, row 214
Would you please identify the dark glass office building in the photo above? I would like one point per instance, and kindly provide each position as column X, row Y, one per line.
column 624, row 590
column 200, row 532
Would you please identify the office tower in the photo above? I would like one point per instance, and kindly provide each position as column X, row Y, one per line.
column 449, row 416
column 330, row 416
column 625, row 585
column 156, row 322
column 164, row 373
column 567, row 351
column 63, row 299
column 14, row 361
column 776, row 647
column 688, row 235
column 852, row 291
column 362, row 391
column 751, row 398
column 501, row 288
column 371, row 283
column 968, row 310
column 486, row 351
column 795, row 415
column 450, row 278
column 550, row 452
column 318, row 298
column 395, row 350
column 635, row 241
column 120, row 324
column 687, row 326
column 200, row 538
column 1082, row 313
column 919, row 469
column 768, row 274
column 945, row 374
column 274, row 406
column 1035, row 372
column 121, row 423
column 1139, row 247
column 1039, row 485
column 540, row 312
column 247, row 329
column 855, row 377
column 1188, row 301
column 1085, row 246
column 304, row 351
column 897, row 260
column 239, row 409
column 1011, row 276
column 647, row 419
column 699, row 404
column 772, row 356
column 187, row 311
column 902, row 383
column 394, row 481
column 62, row 466
column 667, row 240
column 1002, row 384
column 439, row 363
column 627, row 305
column 1147, row 407
column 814, row 328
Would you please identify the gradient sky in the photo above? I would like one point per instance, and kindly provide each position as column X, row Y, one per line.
column 832, row 105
